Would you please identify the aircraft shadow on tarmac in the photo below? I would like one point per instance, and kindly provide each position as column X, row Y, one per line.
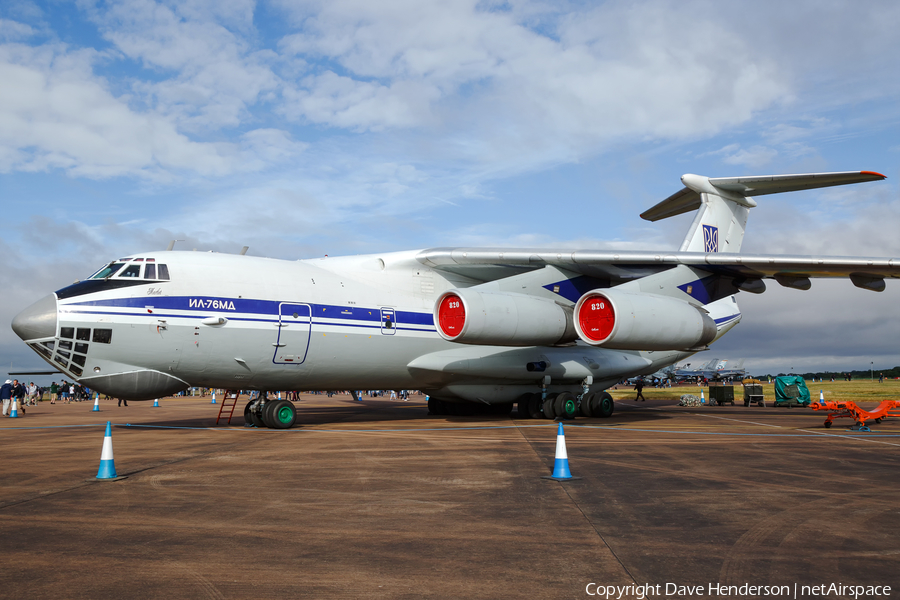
column 398, row 412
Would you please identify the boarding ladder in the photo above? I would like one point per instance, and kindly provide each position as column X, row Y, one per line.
column 229, row 402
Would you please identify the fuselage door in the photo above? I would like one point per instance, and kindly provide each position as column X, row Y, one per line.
column 292, row 342
column 388, row 321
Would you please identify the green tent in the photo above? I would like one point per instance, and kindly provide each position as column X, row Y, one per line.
column 791, row 391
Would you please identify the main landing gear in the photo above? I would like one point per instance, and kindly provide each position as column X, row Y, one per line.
column 565, row 405
column 274, row 413
column 543, row 405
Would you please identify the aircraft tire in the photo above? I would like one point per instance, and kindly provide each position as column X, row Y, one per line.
column 602, row 405
column 878, row 420
column 266, row 412
column 549, row 413
column 247, row 418
column 827, row 424
column 282, row 415
column 522, row 407
column 565, row 406
column 535, row 405
column 586, row 404
column 256, row 419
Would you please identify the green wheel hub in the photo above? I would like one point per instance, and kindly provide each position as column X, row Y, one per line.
column 284, row 414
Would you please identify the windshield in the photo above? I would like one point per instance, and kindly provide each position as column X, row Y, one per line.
column 107, row 271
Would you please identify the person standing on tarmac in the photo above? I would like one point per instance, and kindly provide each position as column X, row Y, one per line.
column 639, row 386
column 6, row 394
column 19, row 395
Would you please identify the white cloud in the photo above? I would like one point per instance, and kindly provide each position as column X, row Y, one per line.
column 461, row 71
column 56, row 114
column 14, row 31
column 754, row 157
column 264, row 148
column 211, row 75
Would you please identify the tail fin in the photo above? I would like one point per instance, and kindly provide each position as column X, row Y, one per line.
column 725, row 202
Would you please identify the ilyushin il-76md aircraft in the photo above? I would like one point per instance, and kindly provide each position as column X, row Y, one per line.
column 478, row 330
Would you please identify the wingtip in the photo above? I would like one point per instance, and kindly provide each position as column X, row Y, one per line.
column 873, row 173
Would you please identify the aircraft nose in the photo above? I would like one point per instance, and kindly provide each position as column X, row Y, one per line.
column 38, row 320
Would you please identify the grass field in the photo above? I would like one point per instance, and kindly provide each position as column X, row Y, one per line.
column 860, row 391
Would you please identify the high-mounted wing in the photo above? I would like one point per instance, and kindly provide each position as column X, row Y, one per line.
column 718, row 229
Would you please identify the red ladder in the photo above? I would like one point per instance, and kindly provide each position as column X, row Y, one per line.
column 232, row 396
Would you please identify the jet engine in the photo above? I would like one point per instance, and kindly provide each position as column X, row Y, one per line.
column 502, row 319
column 627, row 321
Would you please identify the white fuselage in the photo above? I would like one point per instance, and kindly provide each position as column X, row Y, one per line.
column 241, row 322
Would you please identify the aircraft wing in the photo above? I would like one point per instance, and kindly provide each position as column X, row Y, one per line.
column 17, row 373
column 487, row 264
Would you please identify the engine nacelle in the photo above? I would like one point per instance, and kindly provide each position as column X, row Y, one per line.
column 627, row 321
column 502, row 319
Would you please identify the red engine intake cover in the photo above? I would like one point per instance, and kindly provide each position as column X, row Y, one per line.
column 451, row 315
column 596, row 317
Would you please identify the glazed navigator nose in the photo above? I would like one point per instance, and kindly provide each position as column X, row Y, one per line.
column 38, row 320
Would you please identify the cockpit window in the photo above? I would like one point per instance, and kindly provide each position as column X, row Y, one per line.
column 131, row 271
column 107, row 271
column 163, row 272
column 150, row 271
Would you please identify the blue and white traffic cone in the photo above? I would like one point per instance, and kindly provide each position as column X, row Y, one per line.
column 14, row 412
column 156, row 403
column 214, row 398
column 821, row 397
column 561, row 464
column 96, row 404
column 702, row 399
column 279, row 395
column 107, row 468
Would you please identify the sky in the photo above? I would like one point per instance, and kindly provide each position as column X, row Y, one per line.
column 305, row 128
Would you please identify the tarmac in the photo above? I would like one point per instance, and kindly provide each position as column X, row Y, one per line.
column 377, row 499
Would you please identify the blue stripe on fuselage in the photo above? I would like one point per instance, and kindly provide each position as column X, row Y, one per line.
column 726, row 320
column 205, row 304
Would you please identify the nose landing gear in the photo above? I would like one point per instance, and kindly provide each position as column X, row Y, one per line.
column 274, row 413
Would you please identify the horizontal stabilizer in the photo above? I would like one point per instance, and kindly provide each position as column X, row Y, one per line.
column 688, row 198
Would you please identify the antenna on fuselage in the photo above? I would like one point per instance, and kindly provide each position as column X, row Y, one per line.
column 244, row 250
column 172, row 245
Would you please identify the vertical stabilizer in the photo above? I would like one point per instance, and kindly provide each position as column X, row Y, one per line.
column 720, row 223
column 723, row 203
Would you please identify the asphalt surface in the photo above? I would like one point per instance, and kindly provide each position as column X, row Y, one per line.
column 376, row 499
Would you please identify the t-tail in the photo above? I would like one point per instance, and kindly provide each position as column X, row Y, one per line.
column 725, row 202
column 723, row 205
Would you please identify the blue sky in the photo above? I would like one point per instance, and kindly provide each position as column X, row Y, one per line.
column 346, row 127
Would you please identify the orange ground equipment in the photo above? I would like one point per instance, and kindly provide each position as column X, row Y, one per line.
column 848, row 408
